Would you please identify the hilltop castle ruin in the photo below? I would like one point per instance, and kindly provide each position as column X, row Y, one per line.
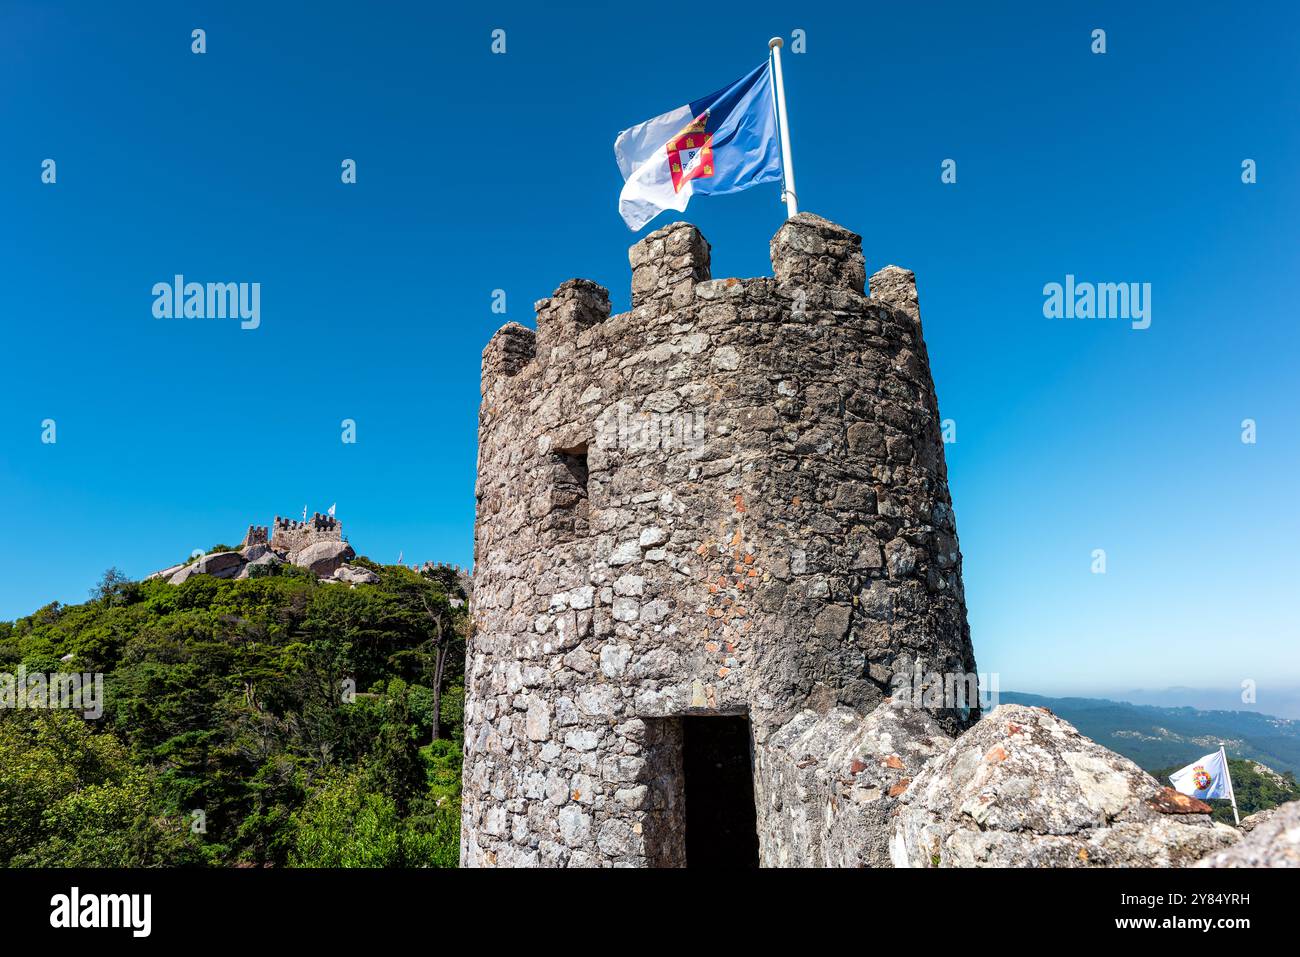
column 291, row 536
column 316, row 544
column 706, row 527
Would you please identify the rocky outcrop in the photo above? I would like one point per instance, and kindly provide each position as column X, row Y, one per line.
column 834, row 782
column 1024, row 788
column 183, row 575
column 251, row 553
column 323, row 558
column 166, row 573
column 327, row 560
column 219, row 564
column 1252, row 821
column 355, row 575
column 1271, row 840
column 266, row 559
column 316, row 545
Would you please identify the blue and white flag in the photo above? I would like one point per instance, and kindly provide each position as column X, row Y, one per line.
column 1206, row 778
column 722, row 143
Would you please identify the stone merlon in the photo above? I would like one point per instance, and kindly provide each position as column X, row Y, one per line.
column 812, row 250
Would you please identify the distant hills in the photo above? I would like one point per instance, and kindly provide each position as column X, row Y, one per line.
column 1155, row 738
column 1278, row 699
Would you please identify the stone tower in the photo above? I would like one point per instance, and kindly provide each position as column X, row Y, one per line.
column 719, row 510
column 292, row 536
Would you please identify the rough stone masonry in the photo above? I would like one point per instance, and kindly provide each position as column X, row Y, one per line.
column 729, row 500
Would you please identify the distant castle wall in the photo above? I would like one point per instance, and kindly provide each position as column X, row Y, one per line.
column 292, row 536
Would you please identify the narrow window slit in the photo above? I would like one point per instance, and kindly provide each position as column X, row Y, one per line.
column 567, row 520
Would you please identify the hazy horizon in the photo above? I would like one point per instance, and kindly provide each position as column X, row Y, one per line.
column 1279, row 702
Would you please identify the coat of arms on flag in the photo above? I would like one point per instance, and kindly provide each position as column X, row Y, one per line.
column 1206, row 778
column 690, row 153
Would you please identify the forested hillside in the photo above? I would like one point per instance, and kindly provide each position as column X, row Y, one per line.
column 231, row 734
column 1155, row 737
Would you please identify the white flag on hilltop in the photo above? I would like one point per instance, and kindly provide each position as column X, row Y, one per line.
column 1206, row 778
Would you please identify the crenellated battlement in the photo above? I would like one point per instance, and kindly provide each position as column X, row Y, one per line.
column 317, row 521
column 256, row 535
column 292, row 536
column 452, row 576
column 671, row 271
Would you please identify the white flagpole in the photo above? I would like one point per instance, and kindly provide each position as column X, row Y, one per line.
column 787, row 164
column 1232, row 795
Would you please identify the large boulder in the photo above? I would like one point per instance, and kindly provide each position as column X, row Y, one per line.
column 323, row 558
column 1273, row 840
column 263, row 560
column 166, row 572
column 1023, row 788
column 355, row 575
column 219, row 564
column 255, row 551
column 834, row 782
column 183, row 574
column 1252, row 821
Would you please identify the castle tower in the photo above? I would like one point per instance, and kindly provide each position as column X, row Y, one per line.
column 256, row 535
column 291, row 536
column 696, row 520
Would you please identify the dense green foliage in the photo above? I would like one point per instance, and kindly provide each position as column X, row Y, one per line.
column 1255, row 789
column 231, row 734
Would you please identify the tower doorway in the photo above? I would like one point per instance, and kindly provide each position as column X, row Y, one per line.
column 718, row 785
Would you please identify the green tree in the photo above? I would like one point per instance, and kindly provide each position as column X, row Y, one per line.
column 343, row 824
column 113, row 586
column 70, row 797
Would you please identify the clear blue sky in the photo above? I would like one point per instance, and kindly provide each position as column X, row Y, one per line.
column 479, row 171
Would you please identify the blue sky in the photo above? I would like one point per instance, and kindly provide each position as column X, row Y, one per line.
column 479, row 172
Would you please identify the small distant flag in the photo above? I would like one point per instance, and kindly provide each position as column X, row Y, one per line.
column 722, row 143
column 332, row 508
column 1206, row 779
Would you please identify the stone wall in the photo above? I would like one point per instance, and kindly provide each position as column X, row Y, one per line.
column 833, row 783
column 731, row 499
column 291, row 536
